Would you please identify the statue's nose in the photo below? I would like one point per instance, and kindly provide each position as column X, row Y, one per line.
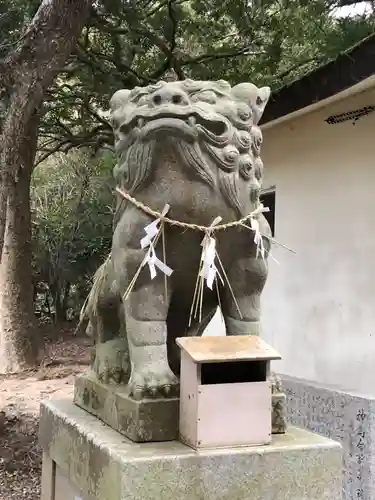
column 168, row 96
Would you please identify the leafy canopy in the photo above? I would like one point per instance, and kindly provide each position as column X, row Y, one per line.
column 127, row 43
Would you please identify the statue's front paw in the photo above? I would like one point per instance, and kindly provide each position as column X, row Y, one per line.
column 111, row 363
column 152, row 381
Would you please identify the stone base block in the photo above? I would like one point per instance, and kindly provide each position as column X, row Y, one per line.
column 90, row 461
column 149, row 419
column 140, row 421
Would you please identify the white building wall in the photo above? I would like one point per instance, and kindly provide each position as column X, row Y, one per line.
column 319, row 305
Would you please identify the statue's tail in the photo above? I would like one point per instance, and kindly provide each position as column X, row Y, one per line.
column 89, row 306
column 83, row 319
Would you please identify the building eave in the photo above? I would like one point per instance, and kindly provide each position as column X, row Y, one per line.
column 350, row 73
column 349, row 92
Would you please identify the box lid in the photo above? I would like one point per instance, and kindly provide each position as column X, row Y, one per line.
column 227, row 348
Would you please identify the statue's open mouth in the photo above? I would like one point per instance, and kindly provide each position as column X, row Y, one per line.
column 186, row 126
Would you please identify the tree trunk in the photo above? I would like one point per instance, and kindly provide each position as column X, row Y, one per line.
column 18, row 339
column 5, row 181
column 59, row 310
column 61, row 298
column 65, row 300
column 25, row 75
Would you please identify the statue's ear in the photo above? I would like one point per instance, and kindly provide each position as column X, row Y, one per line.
column 119, row 98
column 264, row 94
column 255, row 97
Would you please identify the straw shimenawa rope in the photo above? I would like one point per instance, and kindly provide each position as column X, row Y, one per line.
column 185, row 225
column 204, row 229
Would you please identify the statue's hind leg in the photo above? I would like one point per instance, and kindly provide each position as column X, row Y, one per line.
column 111, row 360
column 247, row 278
column 178, row 326
column 102, row 314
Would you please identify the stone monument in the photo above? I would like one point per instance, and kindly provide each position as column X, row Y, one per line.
column 189, row 235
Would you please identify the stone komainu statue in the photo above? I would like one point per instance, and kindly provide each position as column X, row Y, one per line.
column 194, row 145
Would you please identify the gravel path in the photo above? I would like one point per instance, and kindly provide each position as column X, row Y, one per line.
column 20, row 396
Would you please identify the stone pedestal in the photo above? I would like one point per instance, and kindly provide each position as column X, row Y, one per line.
column 86, row 460
column 149, row 419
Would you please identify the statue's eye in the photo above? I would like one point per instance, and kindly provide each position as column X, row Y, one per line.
column 205, row 96
column 140, row 99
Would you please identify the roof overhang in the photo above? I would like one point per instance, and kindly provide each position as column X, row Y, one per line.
column 362, row 86
column 350, row 73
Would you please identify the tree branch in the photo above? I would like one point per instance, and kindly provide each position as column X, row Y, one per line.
column 32, row 51
column 161, row 6
column 99, row 137
column 137, row 77
column 58, row 147
column 247, row 50
column 299, row 64
column 174, row 61
column 173, row 19
column 95, row 65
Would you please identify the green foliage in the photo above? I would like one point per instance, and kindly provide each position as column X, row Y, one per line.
column 133, row 43
column 14, row 15
column 71, row 199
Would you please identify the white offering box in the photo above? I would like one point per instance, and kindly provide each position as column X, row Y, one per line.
column 225, row 396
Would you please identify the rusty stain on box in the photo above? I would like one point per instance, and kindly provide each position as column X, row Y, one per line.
column 225, row 395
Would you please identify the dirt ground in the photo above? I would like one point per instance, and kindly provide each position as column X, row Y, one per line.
column 20, row 396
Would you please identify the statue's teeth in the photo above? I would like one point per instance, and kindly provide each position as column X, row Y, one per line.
column 192, row 121
column 141, row 122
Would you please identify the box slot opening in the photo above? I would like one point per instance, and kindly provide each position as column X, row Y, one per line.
column 231, row 372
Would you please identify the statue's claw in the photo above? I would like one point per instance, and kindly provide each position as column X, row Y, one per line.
column 111, row 362
column 146, row 384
